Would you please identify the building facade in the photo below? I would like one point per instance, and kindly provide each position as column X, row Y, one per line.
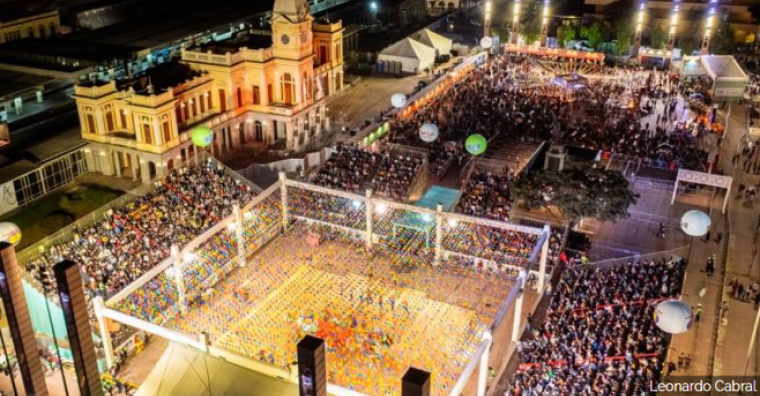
column 270, row 95
column 21, row 25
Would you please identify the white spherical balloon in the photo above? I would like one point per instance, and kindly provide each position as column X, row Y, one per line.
column 673, row 316
column 398, row 100
column 10, row 233
column 695, row 223
column 486, row 42
column 428, row 132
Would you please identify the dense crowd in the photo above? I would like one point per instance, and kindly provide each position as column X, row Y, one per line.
column 486, row 195
column 513, row 96
column 130, row 240
column 388, row 174
column 599, row 337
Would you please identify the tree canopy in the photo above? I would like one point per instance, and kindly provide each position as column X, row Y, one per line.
column 593, row 34
column 565, row 33
column 624, row 37
column 723, row 41
column 658, row 37
column 577, row 193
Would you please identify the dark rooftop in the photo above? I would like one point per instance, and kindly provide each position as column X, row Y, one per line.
column 65, row 47
column 161, row 77
column 11, row 11
column 169, row 21
column 12, row 83
column 234, row 44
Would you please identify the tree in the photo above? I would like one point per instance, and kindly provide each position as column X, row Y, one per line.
column 577, row 193
column 723, row 41
column 624, row 37
column 531, row 31
column 565, row 33
column 658, row 38
column 689, row 40
column 593, row 34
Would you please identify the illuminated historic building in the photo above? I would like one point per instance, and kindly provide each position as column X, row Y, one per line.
column 247, row 89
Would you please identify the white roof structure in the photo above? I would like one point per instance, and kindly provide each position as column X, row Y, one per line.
column 441, row 44
column 729, row 80
column 413, row 55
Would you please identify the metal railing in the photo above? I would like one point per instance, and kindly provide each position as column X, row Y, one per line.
column 631, row 260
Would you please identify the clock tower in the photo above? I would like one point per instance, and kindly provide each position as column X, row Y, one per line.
column 292, row 29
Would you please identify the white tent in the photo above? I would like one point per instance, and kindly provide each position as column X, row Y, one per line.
column 729, row 80
column 413, row 56
column 186, row 371
column 441, row 44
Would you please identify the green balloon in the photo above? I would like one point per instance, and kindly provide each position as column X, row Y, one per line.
column 476, row 144
column 202, row 136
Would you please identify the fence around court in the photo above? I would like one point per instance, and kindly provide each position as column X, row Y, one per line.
column 609, row 264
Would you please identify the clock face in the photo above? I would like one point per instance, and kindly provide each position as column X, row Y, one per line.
column 285, row 39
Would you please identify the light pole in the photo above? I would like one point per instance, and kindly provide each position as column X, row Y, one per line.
column 487, row 19
column 705, row 49
column 544, row 23
column 515, row 23
column 639, row 26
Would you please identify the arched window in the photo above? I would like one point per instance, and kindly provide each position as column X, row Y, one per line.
column 287, row 88
column 41, row 29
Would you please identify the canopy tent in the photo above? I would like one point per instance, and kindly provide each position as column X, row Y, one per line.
column 189, row 372
column 729, row 80
column 440, row 44
column 413, row 56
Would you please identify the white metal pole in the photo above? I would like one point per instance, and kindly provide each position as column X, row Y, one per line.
column 438, row 233
column 368, row 208
column 483, row 373
column 105, row 335
column 284, row 197
column 542, row 260
column 752, row 343
column 178, row 281
column 239, row 235
column 518, row 307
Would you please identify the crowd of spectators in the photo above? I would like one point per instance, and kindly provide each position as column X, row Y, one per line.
column 388, row 174
column 129, row 240
column 486, row 195
column 599, row 337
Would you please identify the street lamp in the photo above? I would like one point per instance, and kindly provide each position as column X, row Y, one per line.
column 673, row 24
column 373, row 6
column 544, row 23
column 487, row 19
column 709, row 27
column 639, row 26
column 515, row 23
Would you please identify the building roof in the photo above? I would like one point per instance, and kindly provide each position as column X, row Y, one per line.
column 434, row 40
column 34, row 52
column 161, row 77
column 14, row 83
column 724, row 66
column 409, row 48
column 234, row 44
column 15, row 10
column 176, row 373
column 162, row 26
